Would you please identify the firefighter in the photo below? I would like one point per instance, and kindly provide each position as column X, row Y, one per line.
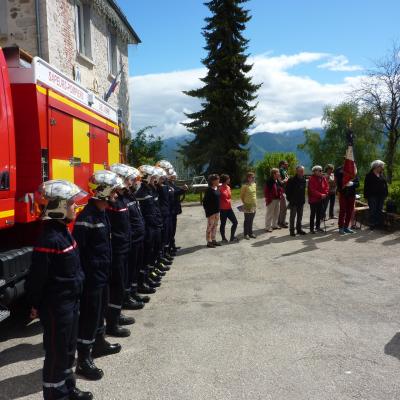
column 54, row 286
column 165, row 194
column 118, row 214
column 92, row 233
column 129, row 176
column 147, row 197
column 136, row 283
column 176, row 208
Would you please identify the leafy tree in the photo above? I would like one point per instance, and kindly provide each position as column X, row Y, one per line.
column 271, row 160
column 331, row 146
column 228, row 95
column 380, row 92
column 144, row 148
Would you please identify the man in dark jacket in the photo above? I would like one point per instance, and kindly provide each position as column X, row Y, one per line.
column 296, row 196
column 211, row 205
column 54, row 286
column 347, row 200
column 92, row 233
column 376, row 191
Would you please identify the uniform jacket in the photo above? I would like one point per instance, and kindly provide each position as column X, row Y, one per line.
column 296, row 190
column 92, row 232
column 177, row 204
column 163, row 199
column 118, row 215
column 317, row 187
column 138, row 226
column 55, row 275
column 148, row 200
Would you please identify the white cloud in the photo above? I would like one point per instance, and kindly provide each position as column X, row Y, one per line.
column 286, row 101
column 341, row 64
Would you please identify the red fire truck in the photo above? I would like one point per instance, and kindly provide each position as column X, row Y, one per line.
column 50, row 128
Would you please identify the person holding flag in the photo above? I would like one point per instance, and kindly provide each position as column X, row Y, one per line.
column 347, row 183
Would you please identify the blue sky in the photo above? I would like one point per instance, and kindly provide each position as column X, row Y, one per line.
column 346, row 36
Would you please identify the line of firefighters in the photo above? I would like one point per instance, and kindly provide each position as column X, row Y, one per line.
column 122, row 244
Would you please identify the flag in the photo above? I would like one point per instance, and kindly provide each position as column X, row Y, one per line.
column 113, row 86
column 349, row 167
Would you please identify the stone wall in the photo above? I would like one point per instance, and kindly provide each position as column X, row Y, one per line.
column 59, row 45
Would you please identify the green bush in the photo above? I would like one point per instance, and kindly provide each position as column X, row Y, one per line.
column 271, row 160
column 394, row 194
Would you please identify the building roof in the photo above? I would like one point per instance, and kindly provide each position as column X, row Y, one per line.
column 120, row 13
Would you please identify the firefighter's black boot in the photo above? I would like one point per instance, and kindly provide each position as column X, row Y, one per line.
column 79, row 395
column 86, row 367
column 104, row 348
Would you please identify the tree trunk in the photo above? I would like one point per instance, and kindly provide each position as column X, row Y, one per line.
column 390, row 155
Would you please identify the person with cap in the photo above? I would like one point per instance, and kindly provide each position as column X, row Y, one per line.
column 92, row 232
column 54, row 286
column 318, row 190
column 296, row 196
column 147, row 197
column 376, row 191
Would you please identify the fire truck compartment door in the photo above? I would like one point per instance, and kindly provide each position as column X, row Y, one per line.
column 113, row 149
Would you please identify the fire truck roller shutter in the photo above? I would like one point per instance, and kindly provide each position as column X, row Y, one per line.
column 113, row 149
column 81, row 141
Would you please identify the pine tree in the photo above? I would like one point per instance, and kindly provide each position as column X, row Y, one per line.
column 228, row 95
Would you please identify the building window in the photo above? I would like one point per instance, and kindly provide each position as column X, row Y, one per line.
column 112, row 54
column 82, row 28
column 3, row 17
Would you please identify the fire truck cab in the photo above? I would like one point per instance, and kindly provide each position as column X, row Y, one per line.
column 50, row 128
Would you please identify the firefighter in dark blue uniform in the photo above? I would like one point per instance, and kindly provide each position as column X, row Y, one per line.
column 164, row 203
column 176, row 208
column 118, row 215
column 54, row 286
column 92, row 232
column 147, row 197
column 129, row 176
column 136, row 283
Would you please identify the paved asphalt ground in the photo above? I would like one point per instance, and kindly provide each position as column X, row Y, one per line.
column 313, row 318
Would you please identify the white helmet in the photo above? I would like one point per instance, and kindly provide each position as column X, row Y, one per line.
column 134, row 173
column 54, row 197
column 159, row 174
column 164, row 164
column 103, row 183
column 147, row 172
column 171, row 172
column 124, row 171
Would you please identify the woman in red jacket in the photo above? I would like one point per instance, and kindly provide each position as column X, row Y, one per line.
column 226, row 211
column 273, row 193
column 318, row 189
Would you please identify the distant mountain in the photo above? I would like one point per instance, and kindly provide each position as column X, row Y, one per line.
column 259, row 144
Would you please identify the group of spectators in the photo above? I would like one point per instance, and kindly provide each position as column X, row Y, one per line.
column 285, row 193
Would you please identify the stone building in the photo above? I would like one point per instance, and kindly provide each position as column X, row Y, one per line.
column 85, row 39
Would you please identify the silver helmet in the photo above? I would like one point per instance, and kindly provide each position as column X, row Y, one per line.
column 164, row 164
column 146, row 172
column 56, row 196
column 124, row 171
column 103, row 183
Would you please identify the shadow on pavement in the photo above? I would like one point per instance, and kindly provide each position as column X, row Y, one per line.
column 21, row 385
column 393, row 347
column 18, row 329
column 190, row 250
column 21, row 352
